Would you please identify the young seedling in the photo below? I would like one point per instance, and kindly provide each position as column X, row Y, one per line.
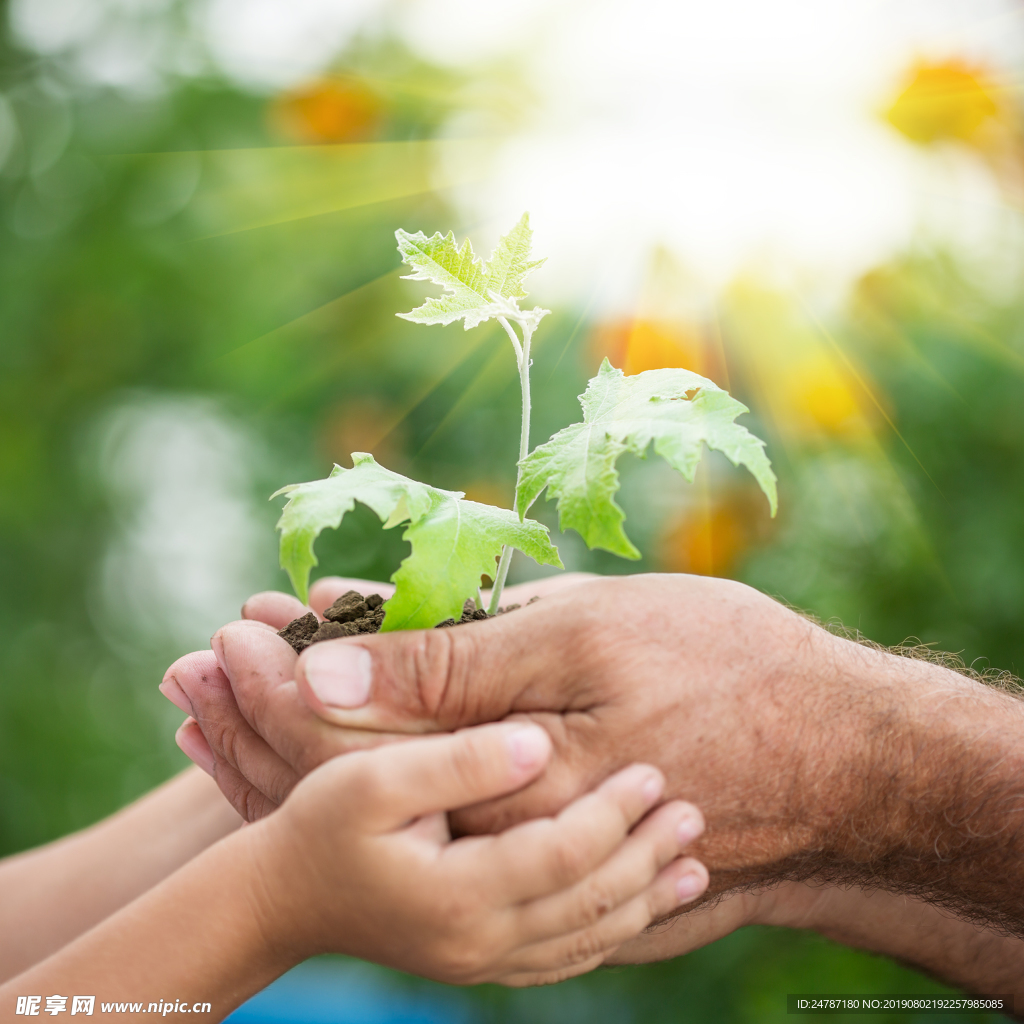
column 454, row 541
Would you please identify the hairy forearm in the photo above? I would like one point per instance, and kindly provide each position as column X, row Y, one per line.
column 979, row 960
column 50, row 895
column 877, row 771
column 936, row 791
column 199, row 936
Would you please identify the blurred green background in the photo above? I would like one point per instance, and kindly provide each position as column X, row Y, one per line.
column 198, row 283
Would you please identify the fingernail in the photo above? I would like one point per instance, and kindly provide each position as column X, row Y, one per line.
column 217, row 646
column 171, row 689
column 529, row 746
column 193, row 745
column 339, row 674
column 688, row 887
column 652, row 788
column 688, row 829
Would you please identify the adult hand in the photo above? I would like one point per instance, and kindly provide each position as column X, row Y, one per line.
column 257, row 750
column 809, row 755
column 686, row 669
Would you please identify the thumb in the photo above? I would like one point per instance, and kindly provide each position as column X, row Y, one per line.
column 387, row 788
column 443, row 679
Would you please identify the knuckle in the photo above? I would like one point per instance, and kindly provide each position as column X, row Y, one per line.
column 458, row 914
column 255, row 805
column 583, row 947
column 462, row 962
column 437, row 669
column 431, row 675
column 226, row 744
column 465, row 946
column 568, row 862
column 360, row 780
column 248, row 802
column 596, row 902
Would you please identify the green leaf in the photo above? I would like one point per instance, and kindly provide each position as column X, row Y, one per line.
column 315, row 506
column 473, row 285
column 676, row 409
column 453, row 545
column 454, row 541
column 510, row 262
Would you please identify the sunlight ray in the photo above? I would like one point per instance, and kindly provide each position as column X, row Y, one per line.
column 245, row 189
column 582, row 319
column 866, row 388
column 903, row 340
column 974, row 336
column 431, row 384
column 773, row 343
column 488, row 381
column 309, row 319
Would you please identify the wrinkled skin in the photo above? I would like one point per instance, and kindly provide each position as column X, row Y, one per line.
column 581, row 663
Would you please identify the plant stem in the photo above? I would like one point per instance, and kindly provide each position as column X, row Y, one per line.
column 523, row 359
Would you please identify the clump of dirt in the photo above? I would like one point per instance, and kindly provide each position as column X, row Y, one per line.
column 352, row 613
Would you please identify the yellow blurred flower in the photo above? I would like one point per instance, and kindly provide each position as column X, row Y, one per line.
column 796, row 374
column 818, row 391
column 328, row 110
column 943, row 100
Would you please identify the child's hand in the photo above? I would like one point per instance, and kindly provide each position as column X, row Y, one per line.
column 359, row 860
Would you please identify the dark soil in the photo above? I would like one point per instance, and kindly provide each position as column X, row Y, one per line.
column 352, row 613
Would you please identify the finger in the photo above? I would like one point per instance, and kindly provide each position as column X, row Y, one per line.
column 274, row 608
column 260, row 669
column 278, row 609
column 388, row 789
column 681, row 882
column 531, row 979
column 192, row 743
column 688, row 931
column 247, row 800
column 522, row 593
column 551, row 854
column 654, row 843
column 328, row 589
column 247, row 770
column 539, row 658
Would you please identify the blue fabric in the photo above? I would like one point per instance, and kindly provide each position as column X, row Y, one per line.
column 341, row 992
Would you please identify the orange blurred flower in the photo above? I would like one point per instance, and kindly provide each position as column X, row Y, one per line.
column 707, row 540
column 490, row 492
column 362, row 425
column 944, row 100
column 328, row 110
column 642, row 344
